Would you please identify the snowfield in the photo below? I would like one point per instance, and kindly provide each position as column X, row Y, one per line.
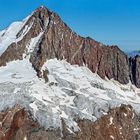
column 9, row 35
column 72, row 93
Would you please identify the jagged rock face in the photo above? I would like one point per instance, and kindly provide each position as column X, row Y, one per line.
column 138, row 71
column 17, row 124
column 135, row 70
column 113, row 63
column 119, row 124
column 58, row 41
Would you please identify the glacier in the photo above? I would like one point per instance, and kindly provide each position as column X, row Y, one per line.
column 73, row 92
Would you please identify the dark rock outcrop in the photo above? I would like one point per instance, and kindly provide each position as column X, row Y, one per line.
column 135, row 70
column 59, row 41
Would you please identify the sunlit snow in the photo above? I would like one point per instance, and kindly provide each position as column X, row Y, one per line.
column 72, row 92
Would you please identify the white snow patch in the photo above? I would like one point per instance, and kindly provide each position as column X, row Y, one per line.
column 125, row 114
column 120, row 128
column 32, row 44
column 70, row 130
column 34, row 107
column 63, row 115
column 1, row 124
column 25, row 138
column 111, row 121
column 133, row 116
column 111, row 137
column 136, row 129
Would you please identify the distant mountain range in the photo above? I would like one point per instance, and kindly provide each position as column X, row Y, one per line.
column 133, row 53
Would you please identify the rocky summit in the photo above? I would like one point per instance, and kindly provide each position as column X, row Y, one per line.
column 57, row 85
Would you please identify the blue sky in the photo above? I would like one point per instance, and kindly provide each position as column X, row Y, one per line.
column 109, row 21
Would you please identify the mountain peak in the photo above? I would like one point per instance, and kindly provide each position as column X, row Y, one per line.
column 54, row 39
column 42, row 8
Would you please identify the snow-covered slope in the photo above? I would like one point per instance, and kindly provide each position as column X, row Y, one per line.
column 72, row 92
column 8, row 35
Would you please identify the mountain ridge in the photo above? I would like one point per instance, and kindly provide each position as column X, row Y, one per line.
column 61, row 42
